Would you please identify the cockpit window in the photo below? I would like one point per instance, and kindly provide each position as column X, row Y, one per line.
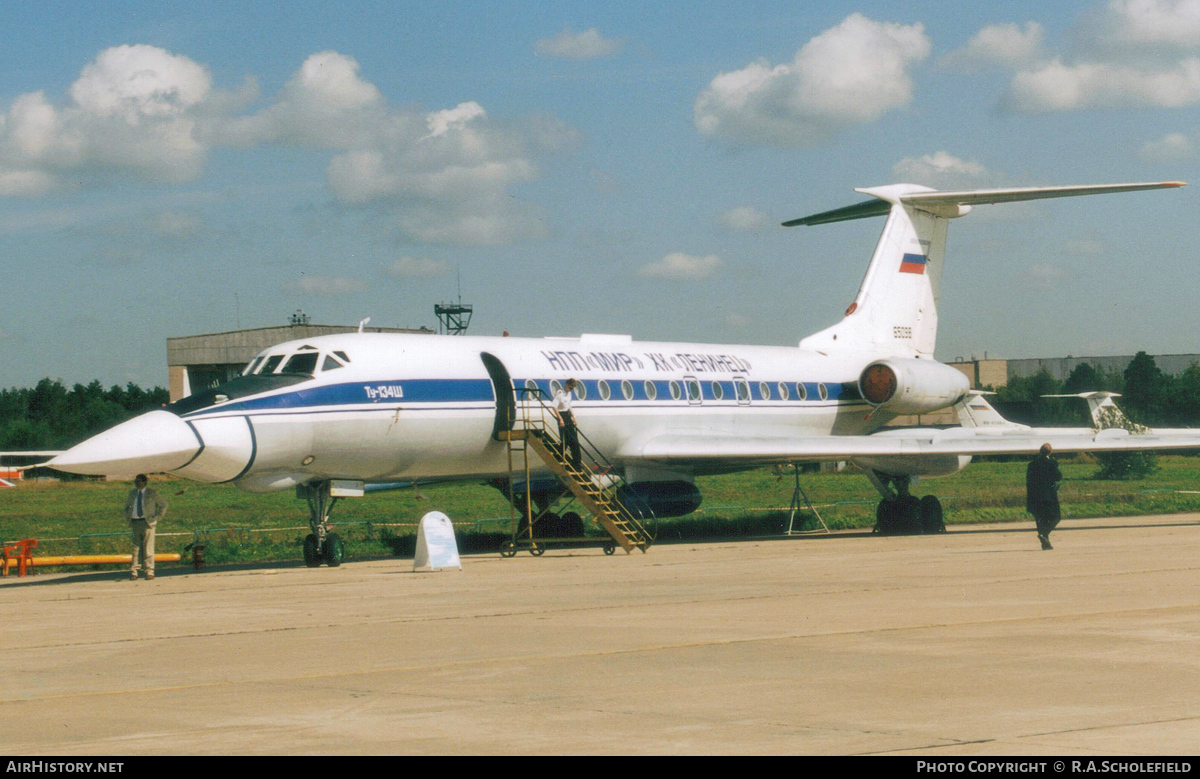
column 252, row 366
column 330, row 364
column 301, row 362
column 232, row 390
column 272, row 363
column 342, row 356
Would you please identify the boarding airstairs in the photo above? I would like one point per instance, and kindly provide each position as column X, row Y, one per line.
column 595, row 485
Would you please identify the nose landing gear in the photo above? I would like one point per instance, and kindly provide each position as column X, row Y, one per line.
column 322, row 545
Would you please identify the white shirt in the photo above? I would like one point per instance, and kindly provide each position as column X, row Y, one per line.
column 562, row 402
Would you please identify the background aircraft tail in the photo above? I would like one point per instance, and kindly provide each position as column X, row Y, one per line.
column 895, row 312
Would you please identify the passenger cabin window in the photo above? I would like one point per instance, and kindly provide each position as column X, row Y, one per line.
column 823, row 392
column 301, row 362
column 717, row 392
column 801, row 392
column 676, row 392
column 651, row 390
column 627, row 390
column 783, row 391
column 605, row 392
column 764, row 390
column 743, row 391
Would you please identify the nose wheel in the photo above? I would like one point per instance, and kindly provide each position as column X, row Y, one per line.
column 321, row 545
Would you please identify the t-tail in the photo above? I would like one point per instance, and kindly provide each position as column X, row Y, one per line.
column 895, row 312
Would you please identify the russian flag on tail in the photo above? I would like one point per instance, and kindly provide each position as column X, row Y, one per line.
column 913, row 263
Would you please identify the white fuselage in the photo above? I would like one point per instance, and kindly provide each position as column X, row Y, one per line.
column 411, row 407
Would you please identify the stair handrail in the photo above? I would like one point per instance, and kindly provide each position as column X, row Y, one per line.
column 536, row 395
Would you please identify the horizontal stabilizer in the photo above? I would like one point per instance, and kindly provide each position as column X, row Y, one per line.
column 945, row 203
column 857, row 211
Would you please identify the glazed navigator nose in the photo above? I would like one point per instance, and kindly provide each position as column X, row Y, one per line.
column 151, row 443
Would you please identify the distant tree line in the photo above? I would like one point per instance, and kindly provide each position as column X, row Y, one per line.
column 50, row 416
column 1148, row 396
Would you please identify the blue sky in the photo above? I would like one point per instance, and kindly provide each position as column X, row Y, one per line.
column 170, row 169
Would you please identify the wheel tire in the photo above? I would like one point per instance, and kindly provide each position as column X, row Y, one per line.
column 334, row 550
column 932, row 518
column 610, row 548
column 508, row 549
column 536, row 549
column 312, row 554
column 572, row 525
column 549, row 526
column 886, row 514
column 909, row 518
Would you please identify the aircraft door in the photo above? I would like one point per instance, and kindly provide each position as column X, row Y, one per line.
column 502, row 387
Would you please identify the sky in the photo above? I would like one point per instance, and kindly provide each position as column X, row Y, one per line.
column 172, row 169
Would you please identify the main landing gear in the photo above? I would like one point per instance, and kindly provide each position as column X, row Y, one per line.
column 322, row 545
column 901, row 513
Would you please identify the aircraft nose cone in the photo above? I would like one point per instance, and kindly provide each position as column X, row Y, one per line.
column 153, row 442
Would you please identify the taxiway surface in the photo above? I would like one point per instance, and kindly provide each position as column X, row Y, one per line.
column 973, row 642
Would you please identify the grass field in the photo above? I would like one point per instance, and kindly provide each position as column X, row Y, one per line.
column 235, row 526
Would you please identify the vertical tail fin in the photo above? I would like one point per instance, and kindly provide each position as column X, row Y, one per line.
column 895, row 312
column 1105, row 412
column 975, row 412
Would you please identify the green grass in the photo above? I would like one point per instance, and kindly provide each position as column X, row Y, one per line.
column 86, row 517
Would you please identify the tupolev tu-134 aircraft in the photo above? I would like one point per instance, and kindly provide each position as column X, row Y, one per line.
column 374, row 408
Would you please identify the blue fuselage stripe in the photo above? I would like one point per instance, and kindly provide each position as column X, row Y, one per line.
column 393, row 393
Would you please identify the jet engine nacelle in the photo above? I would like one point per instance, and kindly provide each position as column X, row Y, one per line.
column 906, row 386
column 660, row 498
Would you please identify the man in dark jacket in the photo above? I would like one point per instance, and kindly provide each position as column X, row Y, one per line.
column 1041, row 493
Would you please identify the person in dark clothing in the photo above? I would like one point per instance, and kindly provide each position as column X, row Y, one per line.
column 1041, row 493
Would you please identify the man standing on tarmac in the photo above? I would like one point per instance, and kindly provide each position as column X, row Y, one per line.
column 143, row 509
column 1041, row 493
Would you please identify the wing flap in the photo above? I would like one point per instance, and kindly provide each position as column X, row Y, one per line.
column 709, row 447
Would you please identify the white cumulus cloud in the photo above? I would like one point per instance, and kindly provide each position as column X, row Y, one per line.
column 678, row 266
column 850, row 74
column 589, row 44
column 133, row 110
column 941, row 170
column 1055, row 86
column 1172, row 147
column 1142, row 27
column 998, row 45
column 1128, row 53
column 443, row 175
column 745, row 218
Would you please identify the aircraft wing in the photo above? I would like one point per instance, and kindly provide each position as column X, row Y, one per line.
column 712, row 447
